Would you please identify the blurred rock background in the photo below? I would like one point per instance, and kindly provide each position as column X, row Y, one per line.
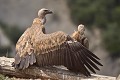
column 101, row 19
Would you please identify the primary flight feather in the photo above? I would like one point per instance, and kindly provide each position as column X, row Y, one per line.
column 58, row 48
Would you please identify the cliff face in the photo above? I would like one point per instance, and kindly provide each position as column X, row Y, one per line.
column 22, row 13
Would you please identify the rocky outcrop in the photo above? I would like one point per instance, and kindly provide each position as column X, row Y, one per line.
column 44, row 73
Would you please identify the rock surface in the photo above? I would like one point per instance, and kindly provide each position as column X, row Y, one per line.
column 46, row 73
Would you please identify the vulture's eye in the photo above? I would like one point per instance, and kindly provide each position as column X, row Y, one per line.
column 45, row 10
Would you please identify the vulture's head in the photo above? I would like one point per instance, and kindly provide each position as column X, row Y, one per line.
column 81, row 28
column 42, row 12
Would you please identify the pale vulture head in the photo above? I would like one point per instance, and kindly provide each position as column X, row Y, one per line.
column 42, row 12
column 81, row 28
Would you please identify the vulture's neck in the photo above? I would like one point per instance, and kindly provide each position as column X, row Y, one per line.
column 42, row 18
column 41, row 28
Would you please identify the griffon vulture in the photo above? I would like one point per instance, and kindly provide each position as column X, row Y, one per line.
column 58, row 48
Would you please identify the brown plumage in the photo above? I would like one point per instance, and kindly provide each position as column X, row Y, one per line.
column 57, row 48
column 79, row 36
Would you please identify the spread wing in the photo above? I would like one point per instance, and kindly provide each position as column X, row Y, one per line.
column 24, row 51
column 58, row 49
column 54, row 49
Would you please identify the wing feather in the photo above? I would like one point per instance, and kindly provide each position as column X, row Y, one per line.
column 86, row 63
column 26, row 62
column 22, row 62
column 79, row 64
column 88, row 54
column 87, row 58
column 91, row 63
column 32, row 59
column 70, row 58
column 17, row 59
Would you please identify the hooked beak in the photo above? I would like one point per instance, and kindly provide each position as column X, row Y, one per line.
column 49, row 12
